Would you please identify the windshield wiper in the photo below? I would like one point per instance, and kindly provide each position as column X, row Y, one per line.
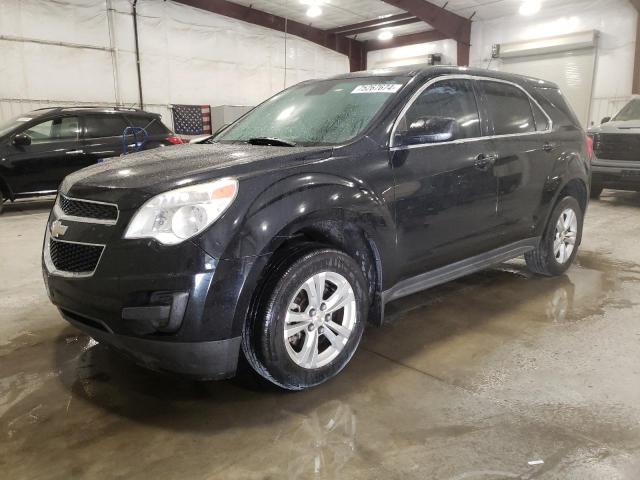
column 272, row 142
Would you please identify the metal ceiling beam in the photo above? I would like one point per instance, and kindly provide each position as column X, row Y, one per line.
column 411, row 39
column 357, row 31
column 448, row 23
column 352, row 48
column 374, row 24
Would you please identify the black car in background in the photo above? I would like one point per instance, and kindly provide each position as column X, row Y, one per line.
column 616, row 143
column 280, row 238
column 39, row 148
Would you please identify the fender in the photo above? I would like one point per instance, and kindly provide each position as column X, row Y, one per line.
column 569, row 168
column 321, row 206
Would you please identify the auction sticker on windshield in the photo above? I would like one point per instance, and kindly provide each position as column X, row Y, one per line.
column 378, row 88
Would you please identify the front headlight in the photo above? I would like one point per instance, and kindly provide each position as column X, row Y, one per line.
column 177, row 215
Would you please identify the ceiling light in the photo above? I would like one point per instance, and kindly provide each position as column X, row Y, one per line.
column 530, row 7
column 385, row 35
column 314, row 11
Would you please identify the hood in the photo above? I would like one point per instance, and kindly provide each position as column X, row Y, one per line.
column 629, row 126
column 162, row 169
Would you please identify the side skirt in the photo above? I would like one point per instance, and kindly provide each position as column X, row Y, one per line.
column 458, row 269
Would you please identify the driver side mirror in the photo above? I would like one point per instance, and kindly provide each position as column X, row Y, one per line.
column 22, row 140
column 606, row 120
column 430, row 130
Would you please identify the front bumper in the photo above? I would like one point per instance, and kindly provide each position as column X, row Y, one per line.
column 624, row 175
column 168, row 308
column 212, row 360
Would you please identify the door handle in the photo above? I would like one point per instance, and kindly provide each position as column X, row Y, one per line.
column 484, row 162
column 549, row 147
column 74, row 152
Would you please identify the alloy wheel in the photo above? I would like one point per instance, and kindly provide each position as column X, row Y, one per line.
column 320, row 319
column 566, row 234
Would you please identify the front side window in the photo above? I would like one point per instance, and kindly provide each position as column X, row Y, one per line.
column 447, row 99
column 509, row 108
column 108, row 125
column 327, row 112
column 64, row 128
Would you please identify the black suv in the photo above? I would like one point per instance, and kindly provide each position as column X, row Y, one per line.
column 281, row 238
column 38, row 149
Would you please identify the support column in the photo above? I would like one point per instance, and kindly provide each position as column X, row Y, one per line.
column 636, row 64
column 463, row 54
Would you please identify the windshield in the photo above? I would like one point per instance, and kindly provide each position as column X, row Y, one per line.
column 631, row 111
column 327, row 112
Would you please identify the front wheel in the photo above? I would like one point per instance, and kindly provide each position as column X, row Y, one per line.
column 309, row 320
column 559, row 244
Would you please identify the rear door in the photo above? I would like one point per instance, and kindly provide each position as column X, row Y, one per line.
column 103, row 135
column 445, row 193
column 521, row 131
column 54, row 152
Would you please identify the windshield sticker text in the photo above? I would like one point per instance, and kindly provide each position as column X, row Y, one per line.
column 378, row 88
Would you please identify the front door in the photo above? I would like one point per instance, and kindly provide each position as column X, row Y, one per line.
column 54, row 152
column 446, row 192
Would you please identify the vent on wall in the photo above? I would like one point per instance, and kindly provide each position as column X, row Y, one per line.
column 434, row 59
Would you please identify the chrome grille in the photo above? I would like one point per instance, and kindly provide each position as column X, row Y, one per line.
column 74, row 257
column 88, row 209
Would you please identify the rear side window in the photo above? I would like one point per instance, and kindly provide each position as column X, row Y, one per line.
column 151, row 124
column 509, row 108
column 554, row 103
column 542, row 122
column 447, row 99
column 108, row 125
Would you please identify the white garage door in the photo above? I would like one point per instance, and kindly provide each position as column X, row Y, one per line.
column 572, row 71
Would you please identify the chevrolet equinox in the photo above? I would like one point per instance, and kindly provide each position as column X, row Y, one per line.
column 280, row 237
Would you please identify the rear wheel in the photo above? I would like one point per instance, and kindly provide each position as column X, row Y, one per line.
column 559, row 244
column 309, row 320
column 596, row 190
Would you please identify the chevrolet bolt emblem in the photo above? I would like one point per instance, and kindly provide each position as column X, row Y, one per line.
column 58, row 229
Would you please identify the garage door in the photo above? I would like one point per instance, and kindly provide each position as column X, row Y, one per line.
column 571, row 70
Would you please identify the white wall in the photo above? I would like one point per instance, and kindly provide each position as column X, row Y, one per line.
column 614, row 19
column 187, row 56
column 413, row 54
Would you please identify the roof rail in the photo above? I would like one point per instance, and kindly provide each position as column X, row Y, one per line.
column 80, row 107
column 88, row 107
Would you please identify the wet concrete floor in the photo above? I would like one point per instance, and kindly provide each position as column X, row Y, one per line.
column 470, row 380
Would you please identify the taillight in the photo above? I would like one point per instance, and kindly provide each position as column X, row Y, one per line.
column 589, row 145
column 174, row 140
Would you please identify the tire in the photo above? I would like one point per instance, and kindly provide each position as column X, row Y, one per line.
column 287, row 299
column 596, row 190
column 545, row 259
column 1, row 202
